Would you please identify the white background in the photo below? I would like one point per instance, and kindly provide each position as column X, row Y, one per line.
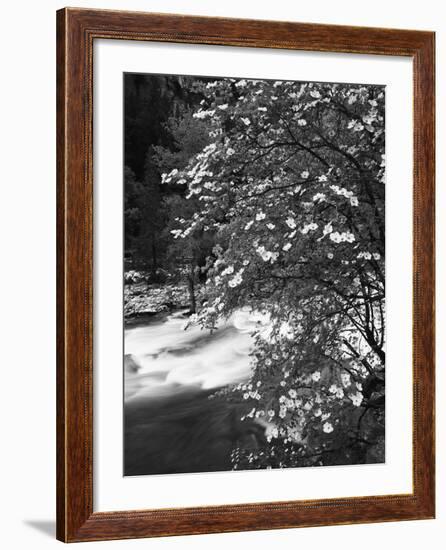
column 112, row 491
column 28, row 270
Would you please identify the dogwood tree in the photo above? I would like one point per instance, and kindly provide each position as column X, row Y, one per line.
column 292, row 187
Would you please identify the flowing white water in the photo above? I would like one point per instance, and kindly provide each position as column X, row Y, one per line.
column 168, row 357
column 171, row 425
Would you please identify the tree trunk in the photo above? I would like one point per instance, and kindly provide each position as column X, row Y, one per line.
column 154, row 259
column 191, row 281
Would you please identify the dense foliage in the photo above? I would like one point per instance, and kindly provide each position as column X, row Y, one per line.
column 288, row 190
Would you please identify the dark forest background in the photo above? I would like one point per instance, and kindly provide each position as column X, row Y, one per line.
column 160, row 135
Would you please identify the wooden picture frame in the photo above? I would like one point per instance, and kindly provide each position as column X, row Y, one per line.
column 76, row 31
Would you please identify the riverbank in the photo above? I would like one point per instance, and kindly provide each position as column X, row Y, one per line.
column 143, row 300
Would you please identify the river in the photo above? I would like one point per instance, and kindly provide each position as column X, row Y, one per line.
column 173, row 421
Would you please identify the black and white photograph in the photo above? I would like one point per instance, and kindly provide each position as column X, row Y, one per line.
column 254, row 274
column 222, row 244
